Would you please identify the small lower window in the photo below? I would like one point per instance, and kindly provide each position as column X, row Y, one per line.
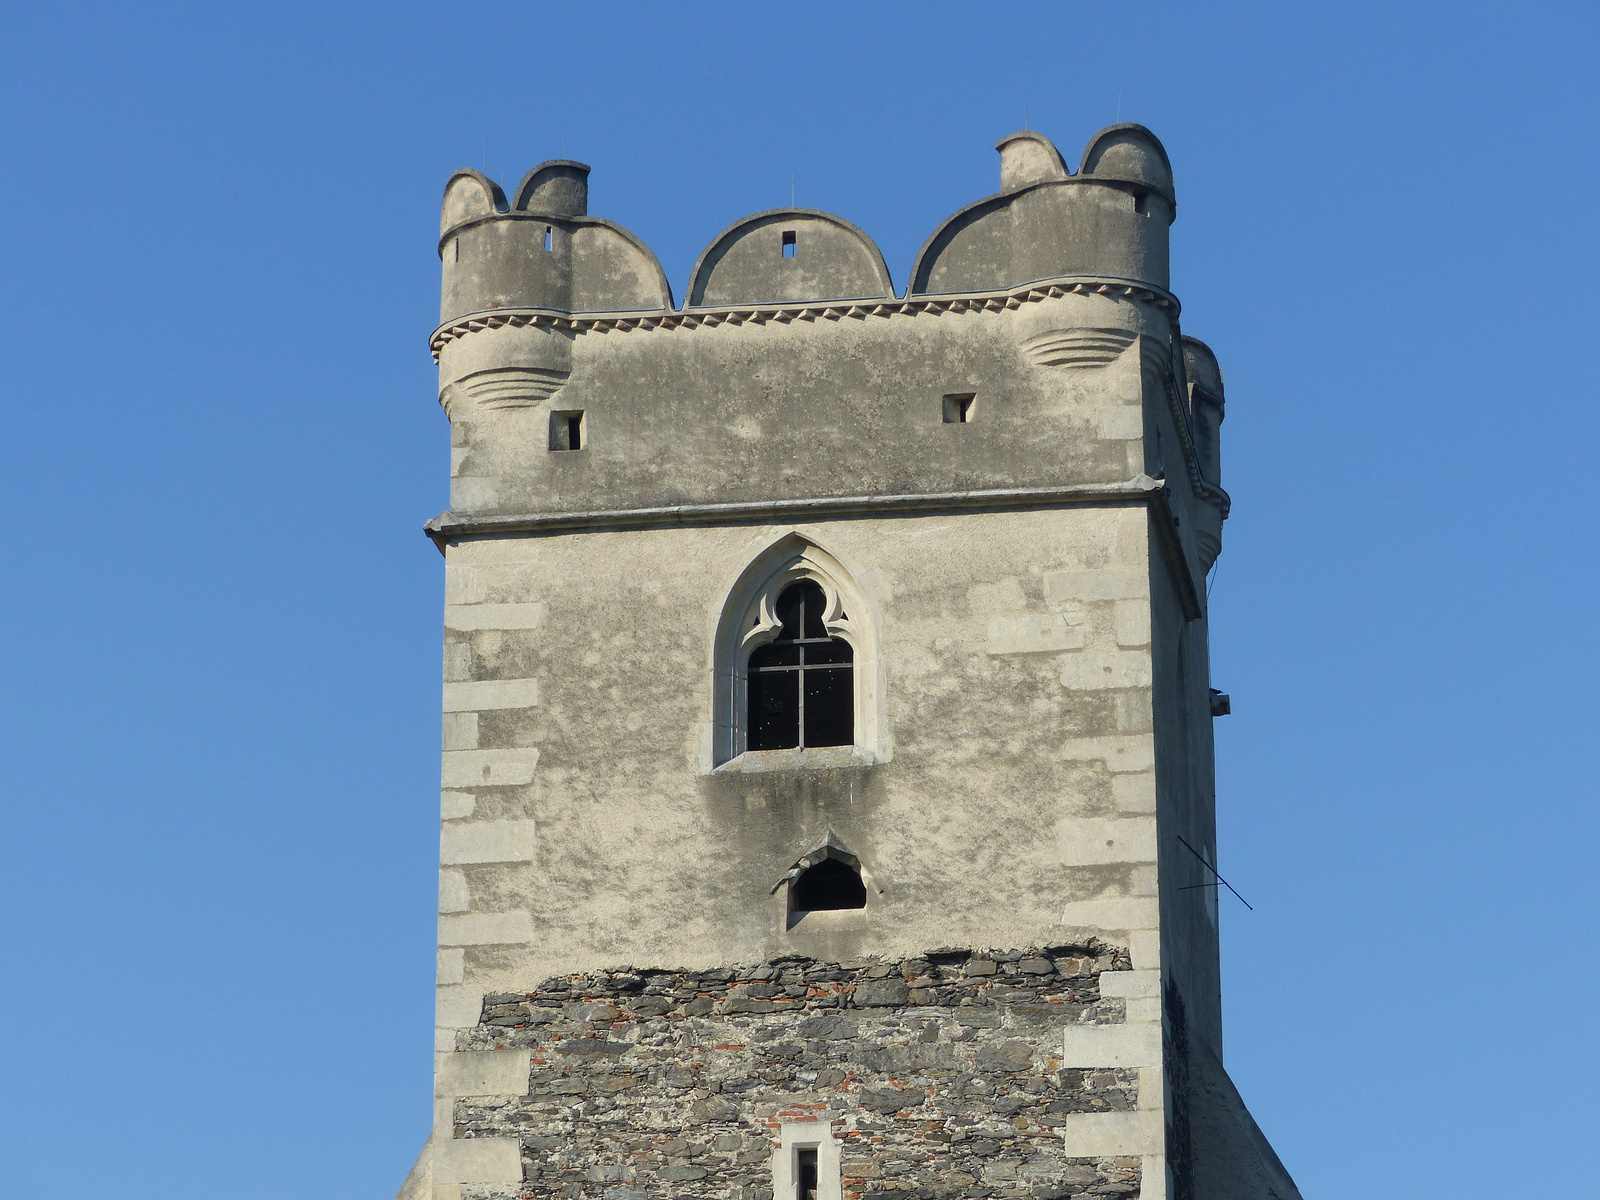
column 805, row 1174
column 827, row 887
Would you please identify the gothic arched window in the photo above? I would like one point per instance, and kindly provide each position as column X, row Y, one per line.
column 800, row 686
column 795, row 666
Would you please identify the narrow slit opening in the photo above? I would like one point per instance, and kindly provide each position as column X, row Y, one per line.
column 805, row 1174
column 788, row 243
column 549, row 238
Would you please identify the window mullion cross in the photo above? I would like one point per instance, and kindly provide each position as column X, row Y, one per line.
column 800, row 675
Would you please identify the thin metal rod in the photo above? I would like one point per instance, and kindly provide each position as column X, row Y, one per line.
column 1213, row 870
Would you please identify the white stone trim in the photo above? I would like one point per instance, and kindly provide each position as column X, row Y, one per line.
column 466, row 617
column 482, row 1073
column 487, row 694
column 488, row 768
column 1114, row 1134
column 1110, row 1046
column 1140, row 984
column 485, row 929
column 794, row 1136
column 477, row 1160
column 457, row 1007
column 1112, row 912
column 1121, row 752
column 486, row 842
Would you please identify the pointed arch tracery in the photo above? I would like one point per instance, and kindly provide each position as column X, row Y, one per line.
column 792, row 609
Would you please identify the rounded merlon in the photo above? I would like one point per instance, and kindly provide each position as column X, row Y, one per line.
column 787, row 254
column 1132, row 154
column 559, row 187
column 1028, row 157
column 469, row 196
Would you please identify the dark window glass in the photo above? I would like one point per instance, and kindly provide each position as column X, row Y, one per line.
column 801, row 685
column 830, row 884
column 829, row 707
column 774, row 710
column 806, row 1160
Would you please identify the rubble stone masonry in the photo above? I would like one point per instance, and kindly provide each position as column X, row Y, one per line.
column 938, row 1076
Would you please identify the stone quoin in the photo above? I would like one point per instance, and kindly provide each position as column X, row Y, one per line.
column 828, row 807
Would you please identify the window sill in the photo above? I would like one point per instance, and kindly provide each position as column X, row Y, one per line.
column 822, row 758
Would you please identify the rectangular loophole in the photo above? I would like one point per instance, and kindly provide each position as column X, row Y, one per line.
column 788, row 243
column 549, row 238
column 958, row 408
column 805, row 1173
column 566, row 430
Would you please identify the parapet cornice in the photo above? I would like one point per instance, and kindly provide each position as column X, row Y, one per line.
column 811, row 310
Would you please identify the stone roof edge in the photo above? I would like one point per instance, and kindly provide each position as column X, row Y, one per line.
column 808, row 310
column 1140, row 489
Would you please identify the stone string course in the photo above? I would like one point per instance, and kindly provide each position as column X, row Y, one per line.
column 940, row 1075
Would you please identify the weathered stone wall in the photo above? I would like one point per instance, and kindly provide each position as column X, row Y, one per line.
column 940, row 1075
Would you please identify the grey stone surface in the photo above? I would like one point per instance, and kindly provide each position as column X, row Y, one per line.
column 1006, row 482
column 676, row 1081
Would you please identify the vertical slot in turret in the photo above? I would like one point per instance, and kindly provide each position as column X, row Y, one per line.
column 789, row 244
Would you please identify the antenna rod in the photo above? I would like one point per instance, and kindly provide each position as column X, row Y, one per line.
column 1213, row 870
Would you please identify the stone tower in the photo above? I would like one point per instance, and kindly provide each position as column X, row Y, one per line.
column 828, row 802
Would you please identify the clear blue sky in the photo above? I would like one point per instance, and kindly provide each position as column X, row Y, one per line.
column 222, row 622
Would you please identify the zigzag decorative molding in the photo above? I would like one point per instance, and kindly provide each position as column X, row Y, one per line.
column 1077, row 347
column 825, row 310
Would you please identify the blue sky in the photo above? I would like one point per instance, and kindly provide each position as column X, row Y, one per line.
column 222, row 655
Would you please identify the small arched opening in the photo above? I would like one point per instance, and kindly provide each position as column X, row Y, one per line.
column 829, row 885
column 829, row 879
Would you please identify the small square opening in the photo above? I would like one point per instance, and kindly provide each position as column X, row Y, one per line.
column 567, row 431
column 958, row 408
column 788, row 243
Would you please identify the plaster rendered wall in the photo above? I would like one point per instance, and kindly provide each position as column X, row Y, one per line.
column 584, row 831
column 808, row 408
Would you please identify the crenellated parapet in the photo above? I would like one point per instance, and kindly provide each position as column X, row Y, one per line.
column 541, row 249
column 795, row 372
